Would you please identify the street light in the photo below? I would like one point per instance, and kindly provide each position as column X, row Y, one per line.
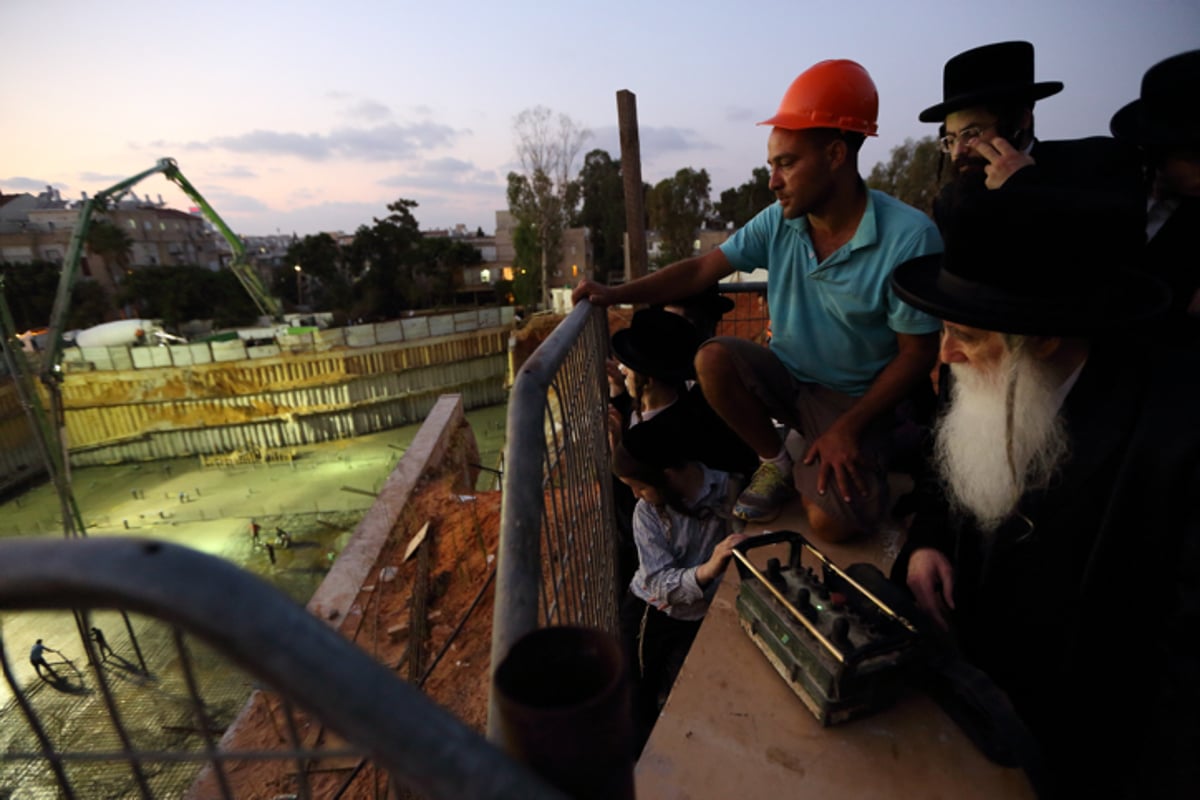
column 299, row 273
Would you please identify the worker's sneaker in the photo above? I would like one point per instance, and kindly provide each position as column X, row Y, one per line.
column 770, row 488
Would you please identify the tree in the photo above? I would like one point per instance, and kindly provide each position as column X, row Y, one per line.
column 912, row 174
column 678, row 207
column 31, row 288
column 544, row 195
column 324, row 268
column 384, row 258
column 603, row 211
column 738, row 206
column 114, row 246
column 178, row 294
column 441, row 258
column 527, row 282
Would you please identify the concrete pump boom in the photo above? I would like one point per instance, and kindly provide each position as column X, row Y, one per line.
column 245, row 272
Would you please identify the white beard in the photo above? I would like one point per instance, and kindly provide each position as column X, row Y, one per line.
column 971, row 450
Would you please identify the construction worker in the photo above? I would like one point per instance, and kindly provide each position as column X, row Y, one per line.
column 103, row 649
column 37, row 657
column 844, row 349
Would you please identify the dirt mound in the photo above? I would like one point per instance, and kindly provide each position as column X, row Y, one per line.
column 433, row 630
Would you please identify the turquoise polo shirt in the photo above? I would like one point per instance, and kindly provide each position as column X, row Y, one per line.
column 835, row 322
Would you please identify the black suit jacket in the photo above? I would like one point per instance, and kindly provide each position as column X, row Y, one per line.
column 1089, row 617
column 1094, row 164
column 1174, row 256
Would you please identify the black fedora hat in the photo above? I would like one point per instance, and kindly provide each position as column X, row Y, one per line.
column 1167, row 113
column 709, row 304
column 1038, row 262
column 994, row 72
column 658, row 344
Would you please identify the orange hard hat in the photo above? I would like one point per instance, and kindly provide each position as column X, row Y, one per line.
column 830, row 94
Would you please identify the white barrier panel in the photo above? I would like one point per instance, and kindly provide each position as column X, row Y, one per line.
column 201, row 353
column 391, row 331
column 329, row 339
column 181, row 355
column 360, row 336
column 465, row 321
column 263, row 351
column 415, row 328
column 120, row 358
column 150, row 357
column 489, row 317
column 98, row 357
column 228, row 351
column 441, row 326
column 295, row 341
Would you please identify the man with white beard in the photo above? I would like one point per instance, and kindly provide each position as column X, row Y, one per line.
column 1061, row 548
column 975, row 426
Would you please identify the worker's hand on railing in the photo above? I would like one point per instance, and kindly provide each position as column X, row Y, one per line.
column 597, row 293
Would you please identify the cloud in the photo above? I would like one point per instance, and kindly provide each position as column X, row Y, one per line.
column 654, row 142
column 379, row 143
column 105, row 178
column 235, row 171
column 741, row 114
column 231, row 202
column 370, row 110
column 444, row 175
column 22, row 184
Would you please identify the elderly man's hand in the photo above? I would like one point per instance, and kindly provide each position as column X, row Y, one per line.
column 597, row 293
column 1003, row 160
column 931, row 580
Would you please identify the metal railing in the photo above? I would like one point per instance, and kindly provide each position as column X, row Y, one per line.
column 116, row 728
column 557, row 553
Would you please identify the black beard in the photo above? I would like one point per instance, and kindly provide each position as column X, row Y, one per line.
column 967, row 167
column 965, row 185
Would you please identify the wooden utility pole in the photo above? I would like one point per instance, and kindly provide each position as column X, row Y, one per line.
column 631, row 173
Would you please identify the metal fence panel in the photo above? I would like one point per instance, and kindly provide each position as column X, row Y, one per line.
column 81, row 734
column 557, row 559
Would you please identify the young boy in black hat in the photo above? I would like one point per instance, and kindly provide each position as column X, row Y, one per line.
column 655, row 354
column 681, row 529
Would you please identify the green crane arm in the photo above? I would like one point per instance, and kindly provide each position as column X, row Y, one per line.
column 245, row 272
column 242, row 268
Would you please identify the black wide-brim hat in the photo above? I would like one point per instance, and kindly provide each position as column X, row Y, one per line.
column 1001, row 72
column 658, row 344
column 1168, row 112
column 710, row 304
column 1038, row 262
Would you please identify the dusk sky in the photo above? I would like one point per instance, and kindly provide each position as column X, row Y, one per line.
column 313, row 116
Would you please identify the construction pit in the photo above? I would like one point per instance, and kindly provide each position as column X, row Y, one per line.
column 351, row 509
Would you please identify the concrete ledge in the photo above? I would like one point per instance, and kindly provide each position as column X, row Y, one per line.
column 333, row 599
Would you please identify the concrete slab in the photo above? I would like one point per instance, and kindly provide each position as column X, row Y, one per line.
column 732, row 727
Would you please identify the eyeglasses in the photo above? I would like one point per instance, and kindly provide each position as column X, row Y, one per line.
column 966, row 136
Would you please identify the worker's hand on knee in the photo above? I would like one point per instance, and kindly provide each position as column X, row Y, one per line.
column 840, row 460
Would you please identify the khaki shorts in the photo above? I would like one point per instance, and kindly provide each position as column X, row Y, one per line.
column 808, row 410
